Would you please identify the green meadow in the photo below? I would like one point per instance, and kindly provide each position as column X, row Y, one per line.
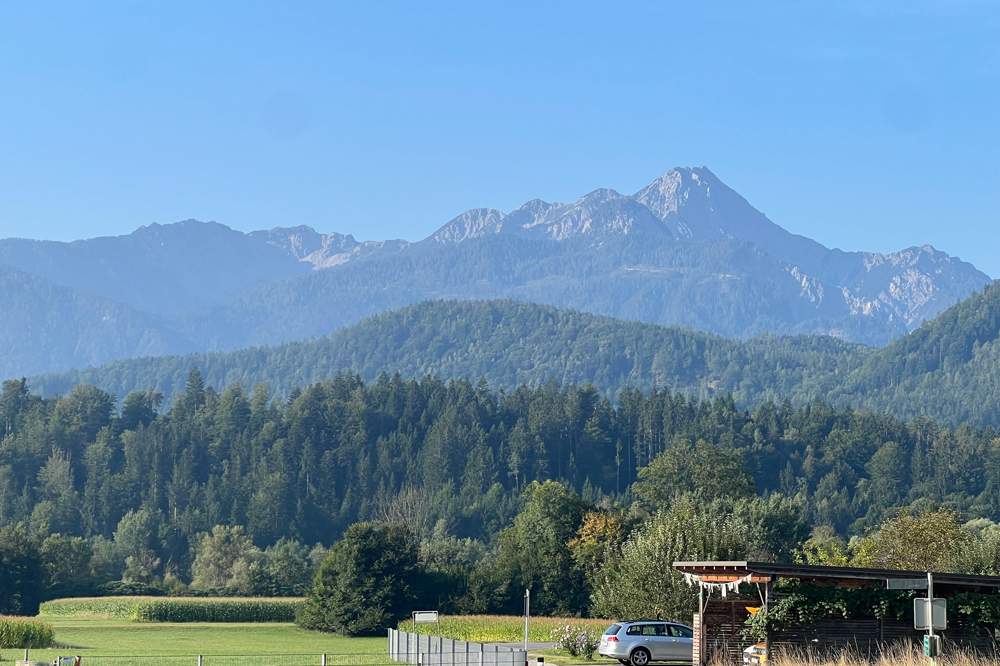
column 106, row 631
column 121, row 641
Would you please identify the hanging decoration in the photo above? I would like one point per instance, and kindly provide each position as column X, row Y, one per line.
column 724, row 588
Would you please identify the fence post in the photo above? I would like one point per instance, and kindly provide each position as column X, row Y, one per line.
column 200, row 660
column 481, row 655
column 322, row 660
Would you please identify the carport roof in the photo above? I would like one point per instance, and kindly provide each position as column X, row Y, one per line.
column 722, row 570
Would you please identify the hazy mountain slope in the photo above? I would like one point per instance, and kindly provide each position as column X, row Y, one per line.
column 172, row 269
column 949, row 369
column 47, row 326
column 507, row 344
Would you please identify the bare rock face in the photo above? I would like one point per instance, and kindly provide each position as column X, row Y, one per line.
column 320, row 250
column 688, row 214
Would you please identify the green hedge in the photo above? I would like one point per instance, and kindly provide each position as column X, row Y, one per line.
column 25, row 632
column 176, row 609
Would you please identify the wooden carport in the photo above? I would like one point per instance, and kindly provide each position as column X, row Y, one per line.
column 720, row 619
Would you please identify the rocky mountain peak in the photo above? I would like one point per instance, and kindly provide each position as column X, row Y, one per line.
column 473, row 223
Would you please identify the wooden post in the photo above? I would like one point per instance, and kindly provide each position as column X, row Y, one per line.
column 699, row 627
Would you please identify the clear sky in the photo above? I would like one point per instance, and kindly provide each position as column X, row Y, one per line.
column 865, row 125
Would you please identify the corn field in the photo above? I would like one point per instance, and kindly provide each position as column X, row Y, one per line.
column 501, row 628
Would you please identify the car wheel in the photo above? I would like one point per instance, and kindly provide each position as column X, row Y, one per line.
column 640, row 657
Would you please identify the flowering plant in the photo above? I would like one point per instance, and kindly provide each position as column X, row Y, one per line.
column 578, row 641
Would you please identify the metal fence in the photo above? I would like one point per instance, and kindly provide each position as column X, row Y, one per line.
column 425, row 650
column 203, row 660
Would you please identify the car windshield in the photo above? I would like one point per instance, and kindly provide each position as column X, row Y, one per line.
column 612, row 630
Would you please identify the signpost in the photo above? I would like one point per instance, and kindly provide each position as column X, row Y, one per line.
column 930, row 614
column 427, row 617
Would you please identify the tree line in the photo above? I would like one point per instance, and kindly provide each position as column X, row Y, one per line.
column 242, row 492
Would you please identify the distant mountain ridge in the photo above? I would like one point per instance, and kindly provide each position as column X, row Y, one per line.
column 684, row 250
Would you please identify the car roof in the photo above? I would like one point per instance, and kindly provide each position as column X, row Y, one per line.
column 650, row 619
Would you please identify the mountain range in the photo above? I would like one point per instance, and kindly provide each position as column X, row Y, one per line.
column 945, row 370
column 685, row 250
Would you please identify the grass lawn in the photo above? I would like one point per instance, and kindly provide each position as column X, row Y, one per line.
column 561, row 658
column 119, row 639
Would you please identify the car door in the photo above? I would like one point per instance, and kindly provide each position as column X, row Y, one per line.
column 681, row 642
column 658, row 641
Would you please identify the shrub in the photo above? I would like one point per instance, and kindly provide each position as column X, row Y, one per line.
column 25, row 632
column 366, row 582
column 577, row 640
column 129, row 588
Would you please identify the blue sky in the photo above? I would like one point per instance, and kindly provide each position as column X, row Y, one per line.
column 863, row 125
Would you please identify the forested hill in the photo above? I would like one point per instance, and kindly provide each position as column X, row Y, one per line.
column 945, row 370
column 505, row 344
column 948, row 369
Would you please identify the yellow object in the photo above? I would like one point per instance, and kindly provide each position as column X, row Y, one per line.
column 752, row 610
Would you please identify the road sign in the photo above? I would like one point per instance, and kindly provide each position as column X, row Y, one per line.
column 921, row 620
column 906, row 584
column 425, row 616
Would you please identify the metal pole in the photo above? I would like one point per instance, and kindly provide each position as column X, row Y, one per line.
column 527, row 614
column 930, row 613
column 322, row 661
